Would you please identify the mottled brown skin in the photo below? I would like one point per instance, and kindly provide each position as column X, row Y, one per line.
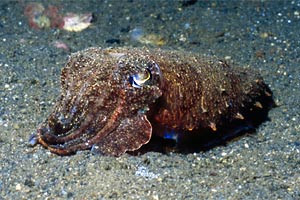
column 112, row 98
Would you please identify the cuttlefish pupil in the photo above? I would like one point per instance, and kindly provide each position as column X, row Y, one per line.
column 139, row 79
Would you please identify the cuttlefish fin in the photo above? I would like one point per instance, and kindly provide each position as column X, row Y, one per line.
column 130, row 135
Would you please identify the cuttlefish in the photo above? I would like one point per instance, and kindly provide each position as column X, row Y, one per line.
column 113, row 100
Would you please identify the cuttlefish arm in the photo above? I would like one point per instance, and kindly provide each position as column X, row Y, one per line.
column 130, row 135
column 115, row 138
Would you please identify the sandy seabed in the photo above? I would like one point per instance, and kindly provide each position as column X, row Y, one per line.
column 260, row 34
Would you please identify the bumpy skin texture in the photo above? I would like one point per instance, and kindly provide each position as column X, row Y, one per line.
column 112, row 98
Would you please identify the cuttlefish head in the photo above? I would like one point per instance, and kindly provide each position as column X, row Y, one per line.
column 105, row 97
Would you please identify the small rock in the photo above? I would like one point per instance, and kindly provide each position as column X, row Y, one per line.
column 18, row 187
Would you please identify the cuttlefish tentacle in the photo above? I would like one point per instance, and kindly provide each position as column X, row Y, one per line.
column 112, row 124
column 62, row 134
column 129, row 136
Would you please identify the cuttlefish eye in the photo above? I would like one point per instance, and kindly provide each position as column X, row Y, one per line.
column 139, row 79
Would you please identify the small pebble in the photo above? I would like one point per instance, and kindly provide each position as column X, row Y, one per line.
column 18, row 187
